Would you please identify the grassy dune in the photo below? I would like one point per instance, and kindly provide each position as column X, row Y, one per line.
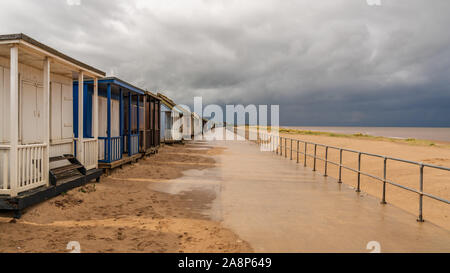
column 410, row 141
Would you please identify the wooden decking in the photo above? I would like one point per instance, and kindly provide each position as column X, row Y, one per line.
column 125, row 159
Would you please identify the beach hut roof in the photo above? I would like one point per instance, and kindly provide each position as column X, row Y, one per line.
column 152, row 95
column 33, row 45
column 118, row 82
column 171, row 104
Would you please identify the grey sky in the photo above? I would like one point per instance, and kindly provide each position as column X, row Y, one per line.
column 335, row 62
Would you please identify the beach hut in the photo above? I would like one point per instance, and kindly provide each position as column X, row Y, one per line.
column 150, row 124
column 120, row 111
column 37, row 145
column 198, row 123
column 171, row 121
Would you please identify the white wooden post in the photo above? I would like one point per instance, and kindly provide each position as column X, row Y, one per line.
column 80, row 144
column 14, row 118
column 46, row 162
column 95, row 113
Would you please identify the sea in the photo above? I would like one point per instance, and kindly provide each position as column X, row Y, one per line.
column 424, row 133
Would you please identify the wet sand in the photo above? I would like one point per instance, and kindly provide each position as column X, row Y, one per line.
column 123, row 214
column 219, row 196
column 280, row 206
column 436, row 182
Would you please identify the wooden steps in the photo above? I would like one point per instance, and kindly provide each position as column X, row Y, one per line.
column 66, row 168
column 59, row 158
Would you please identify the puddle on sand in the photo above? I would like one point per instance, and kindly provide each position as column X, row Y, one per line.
column 199, row 190
column 199, row 148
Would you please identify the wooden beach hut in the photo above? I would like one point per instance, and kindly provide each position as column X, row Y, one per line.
column 39, row 155
column 120, row 110
column 197, row 121
column 150, row 124
column 171, row 115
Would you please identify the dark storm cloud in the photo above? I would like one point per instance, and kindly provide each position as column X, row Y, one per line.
column 324, row 62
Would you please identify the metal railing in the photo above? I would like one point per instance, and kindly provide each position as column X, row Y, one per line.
column 279, row 145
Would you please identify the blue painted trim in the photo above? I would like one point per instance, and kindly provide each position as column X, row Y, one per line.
column 88, row 93
column 121, row 110
column 118, row 83
column 137, row 120
column 129, row 125
column 75, row 111
column 108, row 153
column 108, row 130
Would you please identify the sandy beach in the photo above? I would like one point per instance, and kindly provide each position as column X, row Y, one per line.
column 120, row 214
column 436, row 182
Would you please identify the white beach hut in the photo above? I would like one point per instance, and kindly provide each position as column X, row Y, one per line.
column 171, row 120
column 37, row 144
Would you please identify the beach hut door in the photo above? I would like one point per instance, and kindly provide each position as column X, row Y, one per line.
column 32, row 113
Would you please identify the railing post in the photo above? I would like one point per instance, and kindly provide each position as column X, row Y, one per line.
column 326, row 161
column 306, row 150
column 383, row 199
column 281, row 146
column 315, row 155
column 276, row 146
column 272, row 144
column 358, row 189
column 420, row 219
column 285, row 147
column 291, row 149
column 266, row 141
column 298, row 150
column 340, row 166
